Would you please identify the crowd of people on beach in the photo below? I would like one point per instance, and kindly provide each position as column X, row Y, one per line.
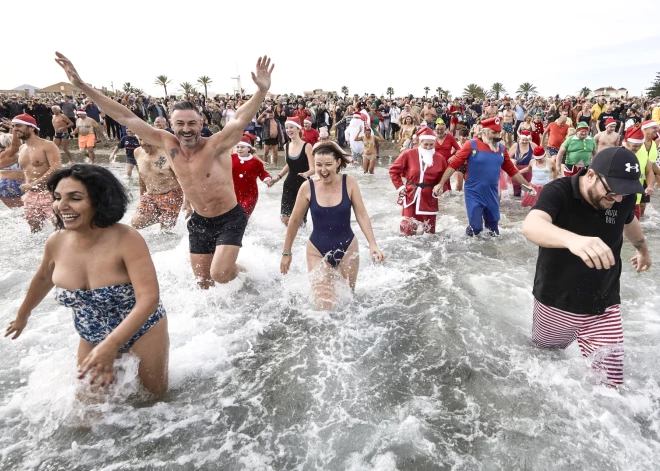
column 587, row 168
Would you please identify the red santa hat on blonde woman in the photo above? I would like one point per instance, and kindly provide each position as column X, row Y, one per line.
column 525, row 134
column 25, row 119
column 295, row 121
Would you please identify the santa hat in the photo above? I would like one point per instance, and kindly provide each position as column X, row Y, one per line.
column 492, row 124
column 634, row 135
column 648, row 124
column 81, row 111
column 245, row 140
column 308, row 120
column 539, row 152
column 293, row 122
column 426, row 133
column 526, row 134
column 610, row 122
column 25, row 119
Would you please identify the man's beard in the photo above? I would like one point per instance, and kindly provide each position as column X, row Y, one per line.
column 599, row 202
column 183, row 142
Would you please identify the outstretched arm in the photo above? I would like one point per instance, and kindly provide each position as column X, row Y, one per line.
column 363, row 218
column 115, row 110
column 8, row 156
column 233, row 131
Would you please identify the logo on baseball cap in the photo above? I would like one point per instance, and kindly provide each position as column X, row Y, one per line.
column 620, row 168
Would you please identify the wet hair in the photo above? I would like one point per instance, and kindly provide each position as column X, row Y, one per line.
column 330, row 148
column 185, row 106
column 108, row 196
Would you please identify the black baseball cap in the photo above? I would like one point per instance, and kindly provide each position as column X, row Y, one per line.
column 620, row 168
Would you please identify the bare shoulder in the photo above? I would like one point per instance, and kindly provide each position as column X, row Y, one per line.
column 54, row 241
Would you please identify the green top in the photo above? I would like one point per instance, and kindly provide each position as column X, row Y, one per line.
column 579, row 150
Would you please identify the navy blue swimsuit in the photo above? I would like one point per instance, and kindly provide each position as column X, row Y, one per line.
column 332, row 232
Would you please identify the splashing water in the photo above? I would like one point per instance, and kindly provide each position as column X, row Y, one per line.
column 428, row 367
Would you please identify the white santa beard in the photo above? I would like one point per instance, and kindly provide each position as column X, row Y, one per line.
column 427, row 155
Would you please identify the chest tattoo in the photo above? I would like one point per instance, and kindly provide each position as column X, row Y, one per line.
column 160, row 162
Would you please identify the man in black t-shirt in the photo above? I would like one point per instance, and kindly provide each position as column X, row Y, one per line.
column 608, row 113
column 579, row 224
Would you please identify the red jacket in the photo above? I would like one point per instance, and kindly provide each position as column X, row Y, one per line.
column 409, row 166
column 245, row 172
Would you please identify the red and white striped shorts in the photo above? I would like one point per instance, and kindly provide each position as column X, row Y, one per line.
column 600, row 336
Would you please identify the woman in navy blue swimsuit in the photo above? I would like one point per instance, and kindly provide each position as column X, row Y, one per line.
column 332, row 248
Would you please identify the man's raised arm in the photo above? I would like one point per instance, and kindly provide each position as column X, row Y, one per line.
column 115, row 110
column 233, row 130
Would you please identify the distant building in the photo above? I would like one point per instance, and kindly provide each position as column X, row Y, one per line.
column 30, row 89
column 62, row 88
column 317, row 93
column 610, row 92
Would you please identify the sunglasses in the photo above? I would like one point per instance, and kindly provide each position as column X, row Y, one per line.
column 610, row 194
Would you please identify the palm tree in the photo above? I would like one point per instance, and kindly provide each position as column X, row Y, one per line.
column 162, row 81
column 188, row 89
column 585, row 92
column 426, row 91
column 127, row 87
column 205, row 81
column 497, row 89
column 138, row 91
column 390, row 92
column 344, row 90
column 440, row 91
column 526, row 89
column 474, row 91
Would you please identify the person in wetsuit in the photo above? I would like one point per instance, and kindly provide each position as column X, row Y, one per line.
column 332, row 249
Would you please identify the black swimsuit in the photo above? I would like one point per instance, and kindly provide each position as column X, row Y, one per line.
column 293, row 182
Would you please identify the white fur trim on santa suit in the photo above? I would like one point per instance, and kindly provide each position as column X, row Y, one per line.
column 418, row 192
column 245, row 159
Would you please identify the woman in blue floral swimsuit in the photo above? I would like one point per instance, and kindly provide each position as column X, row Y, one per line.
column 103, row 271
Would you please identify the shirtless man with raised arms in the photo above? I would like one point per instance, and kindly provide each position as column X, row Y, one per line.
column 39, row 158
column 161, row 196
column 203, row 168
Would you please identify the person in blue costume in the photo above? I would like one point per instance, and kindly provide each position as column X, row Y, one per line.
column 485, row 158
column 103, row 271
column 332, row 249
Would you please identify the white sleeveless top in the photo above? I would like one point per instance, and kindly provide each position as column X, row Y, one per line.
column 541, row 176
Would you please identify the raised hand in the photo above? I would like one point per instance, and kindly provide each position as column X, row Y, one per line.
column 262, row 77
column 70, row 70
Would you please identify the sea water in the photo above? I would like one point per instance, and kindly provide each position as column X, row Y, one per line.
column 429, row 366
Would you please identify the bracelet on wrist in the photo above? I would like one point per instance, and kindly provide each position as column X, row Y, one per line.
column 287, row 254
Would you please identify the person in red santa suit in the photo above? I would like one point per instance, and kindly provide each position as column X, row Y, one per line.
column 246, row 168
column 310, row 135
column 422, row 168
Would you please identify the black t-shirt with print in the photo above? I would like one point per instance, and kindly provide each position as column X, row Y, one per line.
column 130, row 143
column 563, row 280
column 603, row 117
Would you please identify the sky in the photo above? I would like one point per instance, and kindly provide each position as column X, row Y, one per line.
column 366, row 46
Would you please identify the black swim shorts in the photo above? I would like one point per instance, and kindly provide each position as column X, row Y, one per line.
column 207, row 233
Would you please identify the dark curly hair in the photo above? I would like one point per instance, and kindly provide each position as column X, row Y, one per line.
column 108, row 195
